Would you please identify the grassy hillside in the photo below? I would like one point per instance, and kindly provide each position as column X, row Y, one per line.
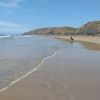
column 53, row 31
column 90, row 28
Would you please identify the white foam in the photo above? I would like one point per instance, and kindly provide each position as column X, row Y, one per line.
column 8, row 36
column 27, row 36
column 4, row 37
column 30, row 72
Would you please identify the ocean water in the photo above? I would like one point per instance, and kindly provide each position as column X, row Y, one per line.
column 19, row 55
column 73, row 73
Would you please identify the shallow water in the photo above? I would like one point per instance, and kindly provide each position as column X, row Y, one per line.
column 73, row 74
column 20, row 55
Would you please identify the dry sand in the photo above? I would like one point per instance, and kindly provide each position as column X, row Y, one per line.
column 92, row 39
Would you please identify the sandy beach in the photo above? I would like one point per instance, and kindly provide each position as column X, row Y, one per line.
column 72, row 74
column 49, row 49
column 92, row 39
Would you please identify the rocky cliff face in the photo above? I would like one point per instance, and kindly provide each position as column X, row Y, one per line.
column 90, row 28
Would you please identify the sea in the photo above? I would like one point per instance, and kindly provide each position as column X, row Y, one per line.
column 76, row 63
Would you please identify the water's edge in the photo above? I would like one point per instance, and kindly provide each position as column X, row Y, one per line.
column 30, row 72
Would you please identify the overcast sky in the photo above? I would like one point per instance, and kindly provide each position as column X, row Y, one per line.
column 25, row 15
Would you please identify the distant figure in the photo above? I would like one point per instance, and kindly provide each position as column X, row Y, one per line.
column 72, row 38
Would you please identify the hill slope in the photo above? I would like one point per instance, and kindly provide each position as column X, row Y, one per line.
column 53, row 31
column 90, row 28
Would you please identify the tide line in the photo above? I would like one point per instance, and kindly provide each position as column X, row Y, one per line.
column 30, row 72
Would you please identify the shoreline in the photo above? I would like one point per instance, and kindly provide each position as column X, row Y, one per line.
column 28, row 73
column 58, row 78
column 80, row 38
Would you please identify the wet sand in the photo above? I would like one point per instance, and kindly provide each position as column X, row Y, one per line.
column 92, row 39
column 73, row 74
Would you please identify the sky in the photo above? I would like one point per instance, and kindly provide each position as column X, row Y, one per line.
column 18, row 16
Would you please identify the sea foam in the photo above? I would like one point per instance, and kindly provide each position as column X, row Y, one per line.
column 30, row 72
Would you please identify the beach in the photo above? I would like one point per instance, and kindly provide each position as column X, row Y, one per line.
column 82, row 38
column 69, row 72
column 49, row 49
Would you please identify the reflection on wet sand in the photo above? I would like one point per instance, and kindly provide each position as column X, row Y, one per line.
column 91, row 46
column 72, row 74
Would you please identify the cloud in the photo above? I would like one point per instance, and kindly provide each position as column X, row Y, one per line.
column 14, row 26
column 5, row 24
column 11, row 4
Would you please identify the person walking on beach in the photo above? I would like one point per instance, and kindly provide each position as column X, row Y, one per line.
column 72, row 38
